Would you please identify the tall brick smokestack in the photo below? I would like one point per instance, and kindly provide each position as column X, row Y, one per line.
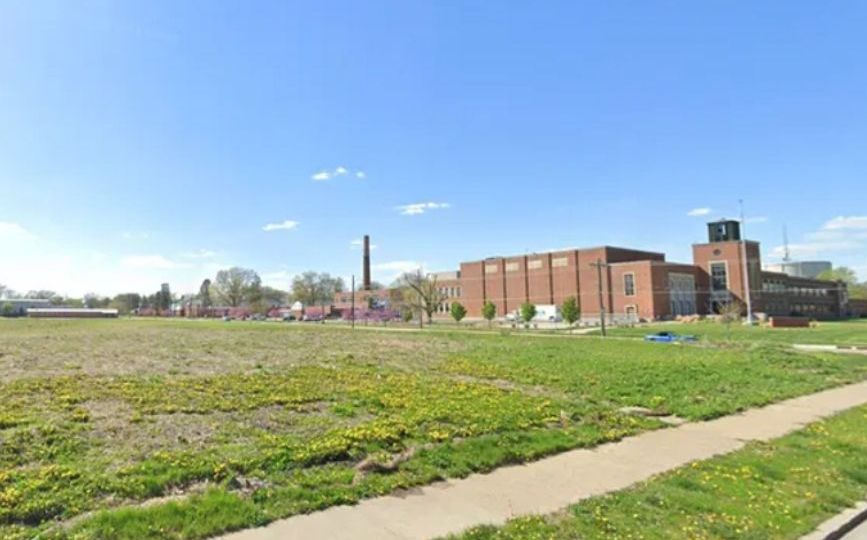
column 366, row 262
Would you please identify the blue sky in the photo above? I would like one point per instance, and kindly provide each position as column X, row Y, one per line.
column 143, row 142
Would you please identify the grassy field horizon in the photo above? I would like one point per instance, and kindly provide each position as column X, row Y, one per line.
column 185, row 429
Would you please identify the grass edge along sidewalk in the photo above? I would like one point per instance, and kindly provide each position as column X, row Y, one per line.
column 554, row 483
column 783, row 488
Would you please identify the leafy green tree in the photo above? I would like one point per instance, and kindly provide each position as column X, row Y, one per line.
column 274, row 297
column 165, row 297
column 40, row 295
column 205, row 294
column 254, row 296
column 489, row 311
column 6, row 310
column 311, row 288
column 126, row 302
column 528, row 311
column 570, row 310
column 458, row 312
column 233, row 285
column 841, row 273
column 95, row 301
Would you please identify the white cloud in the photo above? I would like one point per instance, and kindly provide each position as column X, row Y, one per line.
column 154, row 262
column 328, row 174
column 131, row 235
column 14, row 231
column 287, row 225
column 415, row 209
column 837, row 236
column 698, row 212
column 201, row 254
column 358, row 244
column 846, row 223
column 389, row 271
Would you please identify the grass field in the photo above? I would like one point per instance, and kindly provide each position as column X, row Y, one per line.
column 852, row 332
column 184, row 429
column 781, row 490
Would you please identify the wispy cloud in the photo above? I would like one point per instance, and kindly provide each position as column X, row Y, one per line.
column 201, row 254
column 133, row 235
column 287, row 225
column 14, row 231
column 152, row 262
column 328, row 174
column 839, row 234
column 415, row 209
column 358, row 244
column 847, row 223
column 699, row 212
column 391, row 270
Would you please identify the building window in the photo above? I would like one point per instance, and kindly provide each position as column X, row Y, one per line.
column 490, row 268
column 629, row 284
column 512, row 267
column 534, row 264
column 560, row 261
column 718, row 277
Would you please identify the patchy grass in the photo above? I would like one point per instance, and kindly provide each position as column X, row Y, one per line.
column 782, row 489
column 852, row 332
column 184, row 429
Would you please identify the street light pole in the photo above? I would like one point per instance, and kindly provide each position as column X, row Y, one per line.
column 746, row 267
column 352, row 308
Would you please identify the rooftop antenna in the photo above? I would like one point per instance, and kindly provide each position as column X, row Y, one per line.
column 786, row 255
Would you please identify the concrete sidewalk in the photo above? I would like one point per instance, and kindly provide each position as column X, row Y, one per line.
column 848, row 524
column 553, row 483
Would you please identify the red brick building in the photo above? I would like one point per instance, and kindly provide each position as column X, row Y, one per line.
column 639, row 284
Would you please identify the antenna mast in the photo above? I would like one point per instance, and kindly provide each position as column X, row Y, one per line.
column 786, row 254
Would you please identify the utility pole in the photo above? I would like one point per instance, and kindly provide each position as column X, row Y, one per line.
column 352, row 309
column 746, row 268
column 599, row 265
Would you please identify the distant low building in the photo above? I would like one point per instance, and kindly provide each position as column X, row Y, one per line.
column 21, row 305
column 800, row 269
column 71, row 313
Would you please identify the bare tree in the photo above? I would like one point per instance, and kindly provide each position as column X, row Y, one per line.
column 420, row 292
column 730, row 313
column 233, row 285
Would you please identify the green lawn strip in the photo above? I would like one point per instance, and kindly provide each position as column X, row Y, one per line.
column 849, row 332
column 782, row 489
column 695, row 382
column 306, row 490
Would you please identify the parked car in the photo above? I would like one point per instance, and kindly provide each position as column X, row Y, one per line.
column 669, row 337
column 288, row 317
column 228, row 318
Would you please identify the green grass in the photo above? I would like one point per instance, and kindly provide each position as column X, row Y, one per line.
column 850, row 333
column 778, row 490
column 184, row 429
